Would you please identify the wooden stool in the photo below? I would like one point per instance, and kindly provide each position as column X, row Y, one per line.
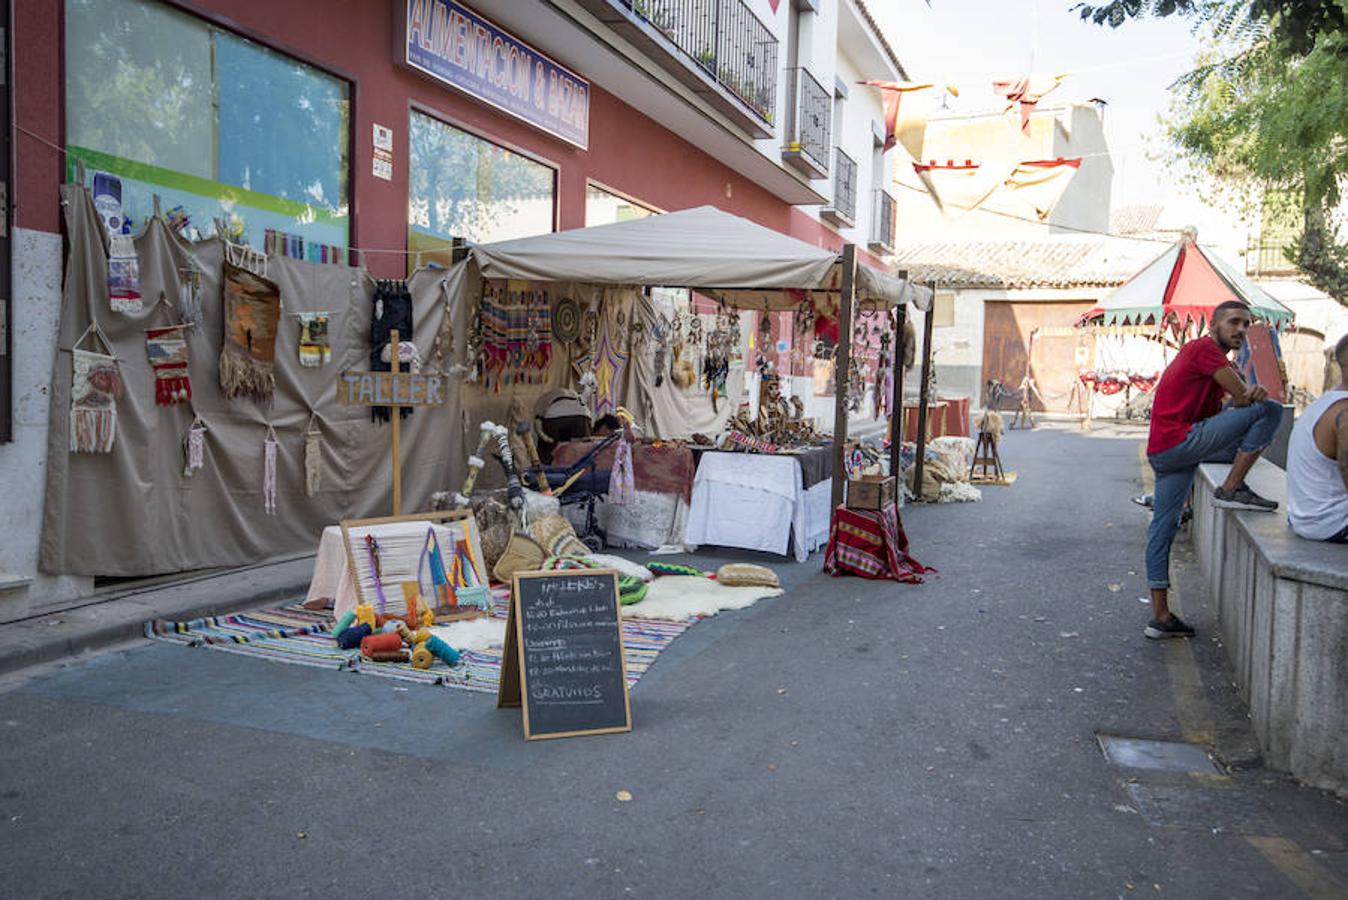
column 985, row 455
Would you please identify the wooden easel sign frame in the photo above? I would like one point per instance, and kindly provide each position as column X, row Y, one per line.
column 430, row 518
column 552, row 609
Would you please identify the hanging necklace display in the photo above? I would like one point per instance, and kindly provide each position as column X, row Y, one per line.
column 269, row 449
column 442, row 348
column 194, row 447
column 313, row 456
column 95, row 387
column 884, row 377
column 392, row 310
column 315, row 350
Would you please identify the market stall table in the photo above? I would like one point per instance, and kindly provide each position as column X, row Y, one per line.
column 663, row 476
column 871, row 544
column 759, row 501
column 947, row 417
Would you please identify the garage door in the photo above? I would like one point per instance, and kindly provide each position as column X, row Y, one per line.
column 1007, row 327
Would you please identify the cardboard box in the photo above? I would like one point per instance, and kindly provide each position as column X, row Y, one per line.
column 870, row 492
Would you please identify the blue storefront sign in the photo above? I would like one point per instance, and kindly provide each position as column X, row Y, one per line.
column 457, row 47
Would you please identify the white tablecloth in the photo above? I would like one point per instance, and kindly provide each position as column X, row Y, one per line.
column 332, row 575
column 651, row 520
column 757, row 502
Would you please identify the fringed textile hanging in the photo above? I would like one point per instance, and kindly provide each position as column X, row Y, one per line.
column 189, row 293
column 315, row 350
column 313, row 456
column 194, row 449
column 516, row 334
column 248, row 354
column 95, row 387
column 392, row 310
column 167, row 351
column 622, row 489
column 269, row 448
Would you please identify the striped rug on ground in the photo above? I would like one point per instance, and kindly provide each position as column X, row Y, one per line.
column 294, row 635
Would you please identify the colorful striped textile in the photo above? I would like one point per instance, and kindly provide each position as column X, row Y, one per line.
column 297, row 636
column 872, row 545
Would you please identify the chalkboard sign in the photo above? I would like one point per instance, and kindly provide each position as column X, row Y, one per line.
column 563, row 660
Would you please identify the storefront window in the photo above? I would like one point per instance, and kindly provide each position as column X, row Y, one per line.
column 605, row 207
column 460, row 185
column 163, row 103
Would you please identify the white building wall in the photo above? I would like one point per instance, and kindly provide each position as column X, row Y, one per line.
column 23, row 463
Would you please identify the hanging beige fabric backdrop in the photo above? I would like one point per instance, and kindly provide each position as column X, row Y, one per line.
column 133, row 512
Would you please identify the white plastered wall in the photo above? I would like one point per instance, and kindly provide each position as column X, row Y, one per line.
column 23, row 463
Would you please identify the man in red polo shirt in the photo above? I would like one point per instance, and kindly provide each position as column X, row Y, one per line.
column 1188, row 427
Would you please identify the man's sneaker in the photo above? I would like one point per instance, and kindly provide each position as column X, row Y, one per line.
column 1173, row 627
column 1242, row 498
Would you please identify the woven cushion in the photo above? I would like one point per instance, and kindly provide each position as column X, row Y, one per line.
column 522, row 554
column 557, row 536
column 746, row 575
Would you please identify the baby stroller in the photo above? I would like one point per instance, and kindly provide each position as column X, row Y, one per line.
column 580, row 484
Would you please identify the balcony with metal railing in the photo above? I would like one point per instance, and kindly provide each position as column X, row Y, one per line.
column 719, row 48
column 884, row 221
column 843, row 210
column 809, row 121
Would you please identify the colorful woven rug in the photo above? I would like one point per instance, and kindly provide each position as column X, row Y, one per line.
column 294, row 635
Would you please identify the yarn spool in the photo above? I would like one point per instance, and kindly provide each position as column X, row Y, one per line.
column 391, row 626
column 365, row 615
column 427, row 617
column 377, row 642
column 421, row 636
column 406, row 634
column 388, row 656
column 442, row 651
column 346, row 621
column 350, row 638
column 422, row 658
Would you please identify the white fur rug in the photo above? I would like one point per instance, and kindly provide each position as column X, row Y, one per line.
column 472, row 634
column 677, row 598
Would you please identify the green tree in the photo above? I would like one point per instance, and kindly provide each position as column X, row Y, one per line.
column 1267, row 110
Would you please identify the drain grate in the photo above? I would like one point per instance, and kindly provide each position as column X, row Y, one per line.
column 1161, row 756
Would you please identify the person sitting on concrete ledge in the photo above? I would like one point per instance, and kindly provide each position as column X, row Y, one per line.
column 1317, row 463
column 1188, row 427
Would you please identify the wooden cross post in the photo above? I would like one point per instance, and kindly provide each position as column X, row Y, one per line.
column 842, row 367
column 394, row 389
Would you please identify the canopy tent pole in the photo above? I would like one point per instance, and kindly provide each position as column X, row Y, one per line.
column 928, row 320
column 896, row 364
column 842, row 366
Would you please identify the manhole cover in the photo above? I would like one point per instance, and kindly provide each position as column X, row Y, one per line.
column 1163, row 756
column 1199, row 809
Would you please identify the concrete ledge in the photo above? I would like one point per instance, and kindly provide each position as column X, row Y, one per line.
column 1282, row 605
column 59, row 635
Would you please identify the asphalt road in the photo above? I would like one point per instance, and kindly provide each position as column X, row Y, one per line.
column 847, row 739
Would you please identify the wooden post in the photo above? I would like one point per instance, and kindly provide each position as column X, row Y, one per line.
column 397, row 413
column 896, row 404
column 928, row 320
column 843, row 364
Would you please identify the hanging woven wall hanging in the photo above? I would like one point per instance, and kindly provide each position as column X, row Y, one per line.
column 313, row 456
column 167, row 351
column 123, row 268
column 270, row 447
column 95, row 388
column 516, row 334
column 248, row 356
column 189, row 293
column 392, row 310
column 194, row 449
column 315, row 350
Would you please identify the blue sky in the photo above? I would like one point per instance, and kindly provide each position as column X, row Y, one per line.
column 972, row 41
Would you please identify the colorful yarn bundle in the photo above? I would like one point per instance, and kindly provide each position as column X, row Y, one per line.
column 630, row 588
column 365, row 614
column 398, row 656
column 350, row 638
column 663, row 568
column 377, row 642
column 441, row 651
column 346, row 621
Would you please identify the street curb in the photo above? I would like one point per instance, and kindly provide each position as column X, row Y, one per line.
column 127, row 616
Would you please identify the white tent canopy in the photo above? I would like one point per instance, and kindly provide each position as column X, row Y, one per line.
column 706, row 249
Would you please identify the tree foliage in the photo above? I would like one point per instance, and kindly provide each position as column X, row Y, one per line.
column 1267, row 108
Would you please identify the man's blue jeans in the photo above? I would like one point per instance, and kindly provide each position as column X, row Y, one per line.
column 1245, row 428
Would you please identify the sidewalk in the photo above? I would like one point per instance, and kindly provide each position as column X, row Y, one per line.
column 122, row 616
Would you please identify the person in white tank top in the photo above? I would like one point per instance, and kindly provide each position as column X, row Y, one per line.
column 1317, row 464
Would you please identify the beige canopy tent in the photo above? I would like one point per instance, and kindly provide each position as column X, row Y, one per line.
column 741, row 263
column 713, row 252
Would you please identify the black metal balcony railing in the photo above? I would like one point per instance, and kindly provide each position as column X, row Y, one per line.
column 809, row 117
column 884, row 219
column 844, row 185
column 726, row 39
